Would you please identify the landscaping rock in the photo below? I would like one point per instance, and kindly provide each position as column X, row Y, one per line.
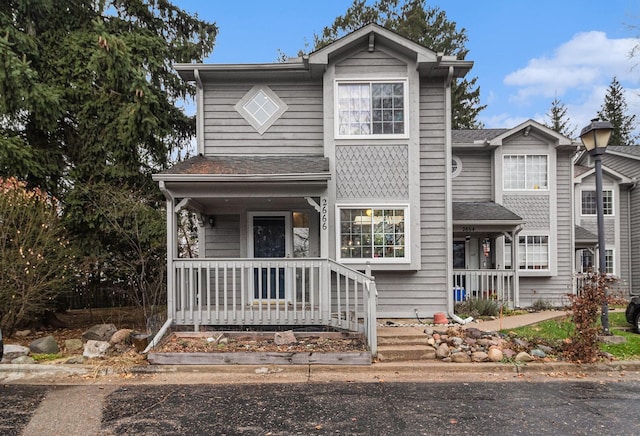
column 495, row 354
column 479, row 356
column 545, row 348
column 612, row 339
column 460, row 357
column 23, row 360
column 285, row 338
column 122, row 336
column 12, row 351
column 95, row 348
column 99, row 332
column 22, row 333
column 538, row 353
column 508, row 353
column 46, row 345
column 73, row 345
column 523, row 357
column 75, row 360
column 443, row 351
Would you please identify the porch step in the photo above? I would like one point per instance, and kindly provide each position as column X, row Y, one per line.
column 400, row 353
column 402, row 340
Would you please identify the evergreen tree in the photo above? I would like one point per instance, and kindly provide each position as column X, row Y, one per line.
column 425, row 25
column 614, row 110
column 88, row 94
column 559, row 120
column 89, row 104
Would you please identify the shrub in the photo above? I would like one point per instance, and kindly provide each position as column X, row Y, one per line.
column 541, row 305
column 586, row 306
column 477, row 307
column 35, row 255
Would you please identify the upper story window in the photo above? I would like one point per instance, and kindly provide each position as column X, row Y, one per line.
column 261, row 107
column 373, row 233
column 371, row 108
column 589, row 202
column 524, row 172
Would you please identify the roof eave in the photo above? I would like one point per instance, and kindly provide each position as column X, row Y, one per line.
column 305, row 177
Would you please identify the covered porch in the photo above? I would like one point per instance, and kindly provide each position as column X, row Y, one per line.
column 483, row 252
column 263, row 241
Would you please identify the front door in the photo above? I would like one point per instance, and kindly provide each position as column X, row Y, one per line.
column 270, row 239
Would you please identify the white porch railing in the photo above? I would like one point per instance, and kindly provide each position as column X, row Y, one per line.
column 486, row 284
column 273, row 292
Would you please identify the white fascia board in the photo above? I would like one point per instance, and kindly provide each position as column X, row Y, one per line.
column 241, row 177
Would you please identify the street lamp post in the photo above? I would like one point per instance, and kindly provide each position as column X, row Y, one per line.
column 595, row 138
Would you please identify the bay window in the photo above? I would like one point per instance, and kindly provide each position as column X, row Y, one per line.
column 373, row 233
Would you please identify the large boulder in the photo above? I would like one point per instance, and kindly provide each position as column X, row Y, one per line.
column 99, row 332
column 46, row 345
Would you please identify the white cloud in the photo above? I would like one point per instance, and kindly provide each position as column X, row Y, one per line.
column 587, row 60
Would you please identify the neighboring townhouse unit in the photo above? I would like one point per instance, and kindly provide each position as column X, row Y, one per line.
column 621, row 209
column 331, row 190
column 514, row 185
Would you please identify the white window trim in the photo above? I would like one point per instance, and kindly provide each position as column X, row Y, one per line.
column 336, row 117
column 527, row 270
column 458, row 169
column 375, row 260
column 546, row 189
column 261, row 128
column 613, row 204
column 612, row 251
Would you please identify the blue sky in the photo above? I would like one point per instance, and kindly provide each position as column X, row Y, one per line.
column 525, row 52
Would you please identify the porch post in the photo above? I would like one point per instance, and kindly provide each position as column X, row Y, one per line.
column 171, row 254
column 325, row 271
column 515, row 267
column 324, row 227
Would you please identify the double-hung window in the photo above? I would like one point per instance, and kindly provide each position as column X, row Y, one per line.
column 371, row 108
column 373, row 233
column 533, row 252
column 589, row 202
column 524, row 172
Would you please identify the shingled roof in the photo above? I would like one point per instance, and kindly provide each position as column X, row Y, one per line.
column 469, row 136
column 250, row 165
column 483, row 211
column 585, row 236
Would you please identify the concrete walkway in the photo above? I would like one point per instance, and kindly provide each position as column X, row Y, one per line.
column 504, row 323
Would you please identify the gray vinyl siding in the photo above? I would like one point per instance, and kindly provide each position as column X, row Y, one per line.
column 364, row 63
column 629, row 221
column 223, row 240
column 555, row 288
column 299, row 131
column 635, row 240
column 475, row 181
column 425, row 290
column 624, row 260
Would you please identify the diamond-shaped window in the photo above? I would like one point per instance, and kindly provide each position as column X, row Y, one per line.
column 261, row 107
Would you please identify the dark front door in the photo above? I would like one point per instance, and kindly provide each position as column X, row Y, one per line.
column 269, row 241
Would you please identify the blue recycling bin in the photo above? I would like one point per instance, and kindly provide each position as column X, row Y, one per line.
column 459, row 294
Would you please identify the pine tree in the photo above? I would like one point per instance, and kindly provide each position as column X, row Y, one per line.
column 90, row 108
column 559, row 120
column 427, row 26
column 614, row 110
